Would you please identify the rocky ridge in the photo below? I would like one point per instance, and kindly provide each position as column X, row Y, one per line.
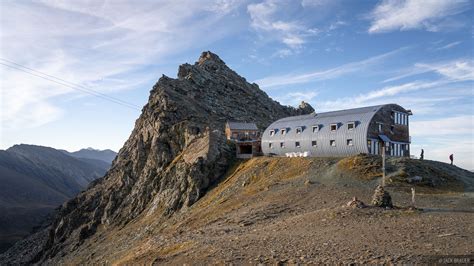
column 175, row 152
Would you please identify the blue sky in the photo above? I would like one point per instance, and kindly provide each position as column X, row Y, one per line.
column 333, row 54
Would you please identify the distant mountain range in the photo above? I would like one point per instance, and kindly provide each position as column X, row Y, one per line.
column 36, row 179
column 103, row 155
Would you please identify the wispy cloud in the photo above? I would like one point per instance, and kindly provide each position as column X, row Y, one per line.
column 457, row 125
column 295, row 98
column 392, row 15
column 378, row 96
column 103, row 45
column 280, row 80
column 449, row 45
column 266, row 18
column 459, row 70
column 456, row 70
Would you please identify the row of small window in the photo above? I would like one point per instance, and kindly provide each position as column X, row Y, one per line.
column 400, row 118
column 315, row 128
column 314, row 143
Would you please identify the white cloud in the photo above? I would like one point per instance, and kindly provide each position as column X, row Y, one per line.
column 459, row 70
column 379, row 96
column 391, row 15
column 295, row 98
column 103, row 45
column 336, row 25
column 457, row 125
column 280, row 80
column 316, row 3
column 266, row 18
column 449, row 45
column 456, row 70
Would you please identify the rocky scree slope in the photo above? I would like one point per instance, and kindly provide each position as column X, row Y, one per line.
column 175, row 152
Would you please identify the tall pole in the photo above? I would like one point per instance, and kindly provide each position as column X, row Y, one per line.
column 383, row 164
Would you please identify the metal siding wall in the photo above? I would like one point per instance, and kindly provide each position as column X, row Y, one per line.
column 323, row 136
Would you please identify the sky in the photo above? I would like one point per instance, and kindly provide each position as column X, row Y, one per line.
column 333, row 54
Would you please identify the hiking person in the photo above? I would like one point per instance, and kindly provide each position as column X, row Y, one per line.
column 451, row 157
column 422, row 155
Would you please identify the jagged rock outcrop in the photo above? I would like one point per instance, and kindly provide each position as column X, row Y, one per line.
column 305, row 108
column 175, row 152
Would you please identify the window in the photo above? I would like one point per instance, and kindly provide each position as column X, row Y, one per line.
column 297, row 144
column 400, row 118
column 379, row 125
column 270, row 145
column 349, row 142
column 332, row 143
column 333, row 127
column 392, row 128
column 272, row 132
column 350, row 125
column 315, row 129
column 282, row 145
column 369, row 144
column 283, row 131
column 299, row 130
column 314, row 143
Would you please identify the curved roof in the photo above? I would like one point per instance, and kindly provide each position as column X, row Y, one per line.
column 360, row 116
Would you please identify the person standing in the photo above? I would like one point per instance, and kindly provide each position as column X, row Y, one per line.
column 422, row 155
column 451, row 158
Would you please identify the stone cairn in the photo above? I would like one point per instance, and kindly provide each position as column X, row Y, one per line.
column 381, row 198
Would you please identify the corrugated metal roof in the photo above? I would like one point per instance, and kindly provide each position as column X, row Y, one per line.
column 242, row 126
column 357, row 136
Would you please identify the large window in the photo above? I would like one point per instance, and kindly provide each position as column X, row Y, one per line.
column 297, row 144
column 332, row 143
column 299, row 130
column 283, row 131
column 314, row 143
column 349, row 142
column 379, row 126
column 272, row 132
column 315, row 128
column 333, row 127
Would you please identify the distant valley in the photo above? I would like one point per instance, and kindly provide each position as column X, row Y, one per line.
column 36, row 179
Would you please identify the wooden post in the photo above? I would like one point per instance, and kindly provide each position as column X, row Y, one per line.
column 383, row 164
column 413, row 197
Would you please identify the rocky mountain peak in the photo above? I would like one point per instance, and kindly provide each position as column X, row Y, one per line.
column 209, row 58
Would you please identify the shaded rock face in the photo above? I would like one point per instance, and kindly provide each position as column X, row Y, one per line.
column 175, row 152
